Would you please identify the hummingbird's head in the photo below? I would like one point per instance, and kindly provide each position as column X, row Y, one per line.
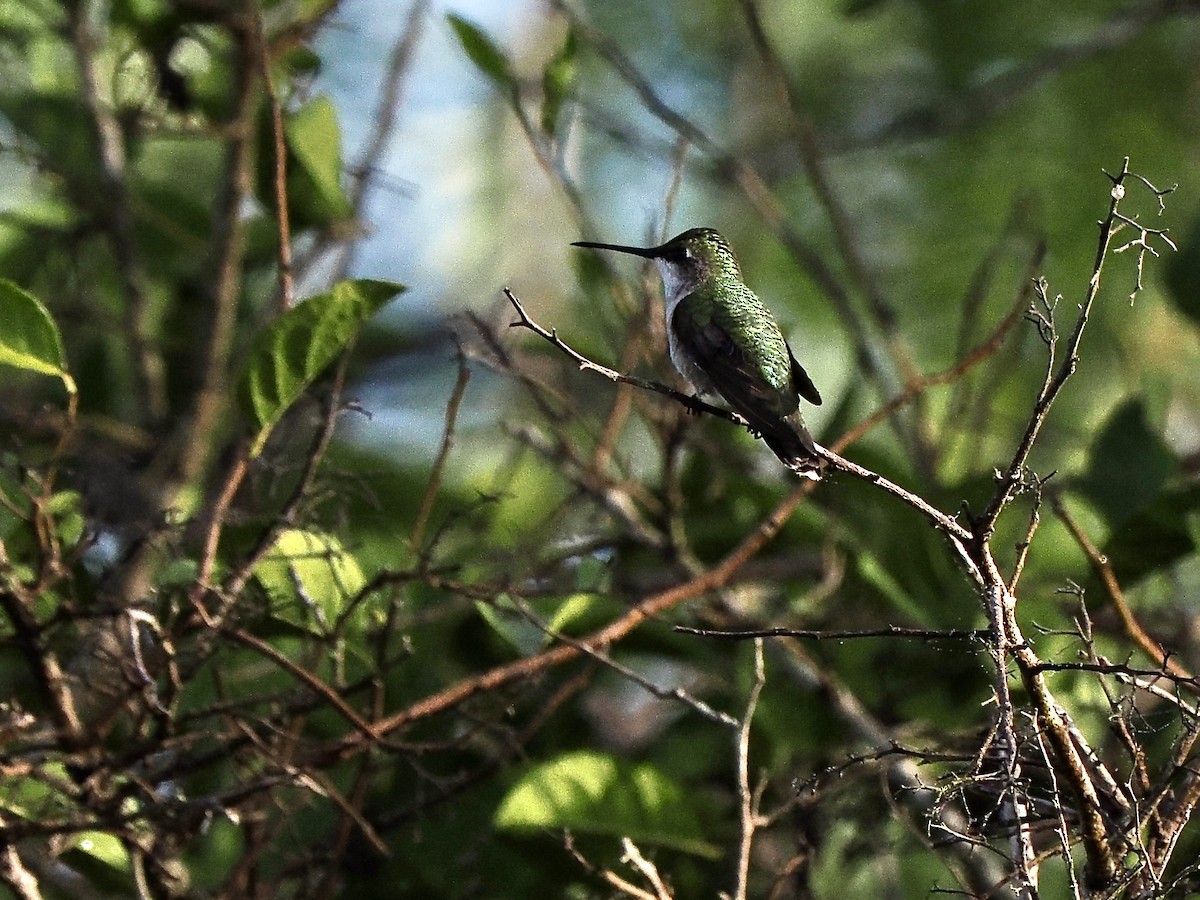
column 685, row 260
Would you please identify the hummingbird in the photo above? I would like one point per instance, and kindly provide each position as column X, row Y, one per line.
column 726, row 343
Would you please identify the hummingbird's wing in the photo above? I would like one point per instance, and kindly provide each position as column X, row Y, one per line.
column 749, row 363
column 804, row 384
column 740, row 370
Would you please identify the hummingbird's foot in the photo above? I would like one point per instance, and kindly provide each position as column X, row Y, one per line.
column 694, row 407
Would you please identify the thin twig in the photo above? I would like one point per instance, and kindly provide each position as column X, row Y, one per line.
column 286, row 286
column 22, row 882
column 695, row 404
column 439, row 464
column 1035, row 519
column 331, row 696
column 385, row 119
column 1012, row 475
column 632, row 855
column 955, row 532
column 626, row 672
column 892, row 631
column 1104, row 571
column 236, row 580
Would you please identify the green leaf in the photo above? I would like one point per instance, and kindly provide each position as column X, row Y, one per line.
column 311, row 10
column 67, row 509
column 298, row 346
column 1129, row 464
column 29, row 339
column 315, row 141
column 102, row 861
column 558, row 80
column 102, row 846
column 309, row 575
column 593, row 793
column 34, row 797
column 503, row 617
column 1156, row 538
column 559, row 613
column 573, row 609
column 1182, row 273
column 483, row 52
column 55, row 120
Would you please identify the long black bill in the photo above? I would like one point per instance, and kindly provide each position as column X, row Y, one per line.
column 647, row 252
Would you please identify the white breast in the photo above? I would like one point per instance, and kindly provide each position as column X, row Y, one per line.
column 676, row 286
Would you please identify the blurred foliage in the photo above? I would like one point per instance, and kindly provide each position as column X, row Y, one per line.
column 257, row 646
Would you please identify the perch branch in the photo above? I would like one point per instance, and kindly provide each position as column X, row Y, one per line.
column 956, row 532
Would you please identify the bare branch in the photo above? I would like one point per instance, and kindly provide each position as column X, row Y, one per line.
column 893, row 631
column 747, row 800
column 632, row 855
column 692, row 403
column 439, row 464
column 22, row 882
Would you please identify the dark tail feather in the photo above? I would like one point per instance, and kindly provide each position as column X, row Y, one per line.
column 791, row 442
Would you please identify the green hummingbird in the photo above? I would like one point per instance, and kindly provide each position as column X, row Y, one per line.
column 724, row 341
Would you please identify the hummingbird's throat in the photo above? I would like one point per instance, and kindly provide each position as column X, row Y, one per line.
column 678, row 282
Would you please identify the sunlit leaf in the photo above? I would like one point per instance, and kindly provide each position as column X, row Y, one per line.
column 102, row 859
column 102, row 846
column 593, row 793
column 309, row 575
column 576, row 608
column 67, row 509
column 315, row 141
column 29, row 18
column 29, row 339
column 299, row 345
